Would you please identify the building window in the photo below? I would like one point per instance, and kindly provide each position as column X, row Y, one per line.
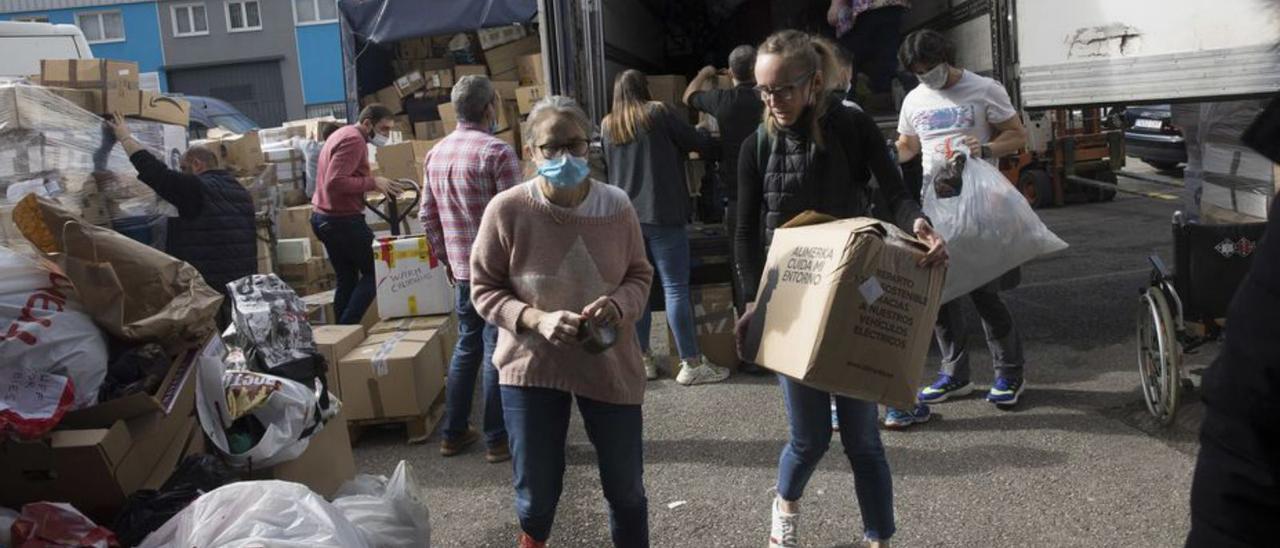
column 101, row 26
column 243, row 15
column 189, row 20
column 32, row 19
column 314, row 12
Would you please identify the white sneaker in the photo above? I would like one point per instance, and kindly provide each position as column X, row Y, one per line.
column 868, row 543
column 650, row 367
column 700, row 372
column 782, row 533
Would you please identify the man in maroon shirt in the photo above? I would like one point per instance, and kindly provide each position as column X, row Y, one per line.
column 342, row 179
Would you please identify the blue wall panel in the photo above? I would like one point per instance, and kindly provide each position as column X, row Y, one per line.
column 320, row 60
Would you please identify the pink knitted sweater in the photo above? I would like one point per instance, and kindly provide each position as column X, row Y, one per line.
column 529, row 253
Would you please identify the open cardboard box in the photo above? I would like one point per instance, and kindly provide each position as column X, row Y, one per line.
column 95, row 469
column 162, row 400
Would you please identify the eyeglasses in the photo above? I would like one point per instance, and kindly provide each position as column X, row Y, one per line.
column 783, row 92
column 576, row 147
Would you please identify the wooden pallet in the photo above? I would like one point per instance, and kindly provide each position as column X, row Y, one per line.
column 418, row 428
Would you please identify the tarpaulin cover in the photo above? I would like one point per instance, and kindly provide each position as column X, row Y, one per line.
column 385, row 21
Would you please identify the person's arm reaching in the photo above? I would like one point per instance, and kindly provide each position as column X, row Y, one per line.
column 696, row 84
column 184, row 191
column 748, row 248
column 687, row 137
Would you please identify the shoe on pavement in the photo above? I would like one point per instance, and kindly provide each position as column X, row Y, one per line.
column 782, row 532
column 868, row 543
column 945, row 388
column 700, row 372
column 897, row 419
column 498, row 453
column 835, row 418
column 449, row 448
column 1005, row 392
column 650, row 367
column 526, row 541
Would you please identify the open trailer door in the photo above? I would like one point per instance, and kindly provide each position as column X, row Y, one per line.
column 1103, row 52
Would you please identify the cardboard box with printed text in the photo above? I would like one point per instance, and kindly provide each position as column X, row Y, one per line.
column 844, row 306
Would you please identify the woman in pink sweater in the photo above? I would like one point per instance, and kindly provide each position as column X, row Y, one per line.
column 557, row 258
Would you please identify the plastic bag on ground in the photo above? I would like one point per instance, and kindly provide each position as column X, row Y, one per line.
column 256, row 419
column 390, row 513
column 989, row 227
column 247, row 514
column 48, row 524
column 148, row 510
column 43, row 328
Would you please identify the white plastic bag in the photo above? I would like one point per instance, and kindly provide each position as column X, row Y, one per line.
column 43, row 329
column 255, row 514
column 390, row 513
column 291, row 413
column 989, row 227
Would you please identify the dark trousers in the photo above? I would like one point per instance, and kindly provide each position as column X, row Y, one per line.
column 1235, row 493
column 538, row 424
column 473, row 353
column 731, row 227
column 1003, row 339
column 874, row 41
column 350, row 245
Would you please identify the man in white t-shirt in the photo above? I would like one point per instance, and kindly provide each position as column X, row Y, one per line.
column 953, row 102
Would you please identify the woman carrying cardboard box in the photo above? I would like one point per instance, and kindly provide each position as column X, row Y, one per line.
column 811, row 153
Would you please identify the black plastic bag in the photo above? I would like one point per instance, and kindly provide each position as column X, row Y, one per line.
column 147, row 510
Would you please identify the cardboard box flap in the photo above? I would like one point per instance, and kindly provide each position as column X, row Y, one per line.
column 416, row 323
column 393, row 346
column 105, row 414
column 112, row 443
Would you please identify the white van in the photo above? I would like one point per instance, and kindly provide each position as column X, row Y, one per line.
column 25, row 44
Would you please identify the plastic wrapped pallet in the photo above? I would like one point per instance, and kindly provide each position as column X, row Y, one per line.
column 1238, row 182
column 51, row 147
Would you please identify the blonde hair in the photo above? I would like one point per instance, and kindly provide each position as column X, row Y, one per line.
column 630, row 115
column 807, row 53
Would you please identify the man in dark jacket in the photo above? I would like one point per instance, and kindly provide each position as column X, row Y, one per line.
column 214, row 230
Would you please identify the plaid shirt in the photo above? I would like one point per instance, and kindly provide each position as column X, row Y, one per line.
column 463, row 172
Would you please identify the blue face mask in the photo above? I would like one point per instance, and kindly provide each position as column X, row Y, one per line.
column 565, row 171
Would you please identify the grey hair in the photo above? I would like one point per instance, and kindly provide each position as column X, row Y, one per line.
column 471, row 95
column 555, row 105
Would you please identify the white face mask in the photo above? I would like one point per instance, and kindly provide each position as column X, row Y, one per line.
column 936, row 77
column 379, row 140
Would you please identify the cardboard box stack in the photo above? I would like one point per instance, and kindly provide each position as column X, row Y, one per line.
column 393, row 375
column 51, row 145
column 426, row 69
column 300, row 254
column 240, row 154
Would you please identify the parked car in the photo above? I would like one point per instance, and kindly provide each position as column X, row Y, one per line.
column 1149, row 135
column 207, row 113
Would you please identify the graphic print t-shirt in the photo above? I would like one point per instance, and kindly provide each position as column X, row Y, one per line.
column 971, row 107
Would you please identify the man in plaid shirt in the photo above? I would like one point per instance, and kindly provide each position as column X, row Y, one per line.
column 463, row 173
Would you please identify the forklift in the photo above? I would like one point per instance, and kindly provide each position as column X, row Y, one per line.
column 1071, row 156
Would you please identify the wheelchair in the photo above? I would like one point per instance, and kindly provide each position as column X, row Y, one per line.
column 1179, row 310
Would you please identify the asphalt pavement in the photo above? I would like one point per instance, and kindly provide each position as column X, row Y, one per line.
column 1076, row 464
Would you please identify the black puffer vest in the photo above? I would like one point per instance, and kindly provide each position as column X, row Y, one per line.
column 799, row 176
column 221, row 241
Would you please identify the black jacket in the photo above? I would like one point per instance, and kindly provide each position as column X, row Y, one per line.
column 737, row 111
column 215, row 229
column 834, row 179
column 651, row 168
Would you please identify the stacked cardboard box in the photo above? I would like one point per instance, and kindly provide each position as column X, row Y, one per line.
column 669, row 90
column 404, row 160
column 240, row 154
column 106, row 86
column 312, row 276
column 389, row 375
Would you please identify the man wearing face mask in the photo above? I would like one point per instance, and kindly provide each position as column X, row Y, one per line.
column 342, row 179
column 214, row 230
column 463, row 173
column 951, row 102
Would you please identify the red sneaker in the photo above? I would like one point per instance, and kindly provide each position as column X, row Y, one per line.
column 527, row 541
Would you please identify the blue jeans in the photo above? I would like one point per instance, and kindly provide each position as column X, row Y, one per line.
column 476, row 341
column 809, row 412
column 350, row 245
column 538, row 423
column 668, row 250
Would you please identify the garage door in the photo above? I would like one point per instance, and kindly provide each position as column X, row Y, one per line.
column 256, row 89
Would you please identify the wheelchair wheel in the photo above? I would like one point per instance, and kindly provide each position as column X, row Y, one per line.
column 1159, row 356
